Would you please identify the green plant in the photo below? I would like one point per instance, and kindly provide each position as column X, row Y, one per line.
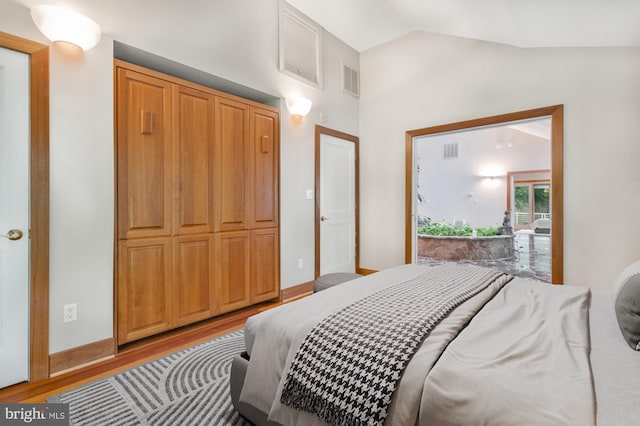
column 443, row 229
column 489, row 231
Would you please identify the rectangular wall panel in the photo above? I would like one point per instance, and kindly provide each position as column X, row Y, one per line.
column 265, row 265
column 193, row 284
column 266, row 159
column 144, row 288
column 232, row 270
column 233, row 171
column 193, row 145
column 144, row 155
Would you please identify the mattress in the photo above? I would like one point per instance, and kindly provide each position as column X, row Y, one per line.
column 615, row 367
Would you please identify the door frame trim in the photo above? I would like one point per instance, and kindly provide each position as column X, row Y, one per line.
column 556, row 113
column 39, row 202
column 319, row 131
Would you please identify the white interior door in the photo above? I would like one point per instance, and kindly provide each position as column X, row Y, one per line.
column 14, row 217
column 337, row 205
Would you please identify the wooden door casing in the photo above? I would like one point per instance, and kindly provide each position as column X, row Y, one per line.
column 39, row 201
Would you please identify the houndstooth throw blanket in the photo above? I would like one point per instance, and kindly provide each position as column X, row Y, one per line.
column 348, row 366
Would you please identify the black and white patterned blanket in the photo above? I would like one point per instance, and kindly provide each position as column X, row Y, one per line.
column 348, row 366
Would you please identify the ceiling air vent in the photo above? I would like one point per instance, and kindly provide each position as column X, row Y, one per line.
column 450, row 151
column 350, row 81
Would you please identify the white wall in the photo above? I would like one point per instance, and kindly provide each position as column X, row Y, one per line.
column 422, row 80
column 473, row 187
column 297, row 170
column 81, row 184
column 241, row 45
column 81, row 195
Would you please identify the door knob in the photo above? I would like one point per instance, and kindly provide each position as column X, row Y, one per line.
column 13, row 234
column 322, row 218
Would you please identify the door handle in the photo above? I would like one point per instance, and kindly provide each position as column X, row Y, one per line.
column 13, row 234
column 322, row 218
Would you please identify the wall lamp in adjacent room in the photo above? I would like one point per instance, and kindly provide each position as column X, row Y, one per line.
column 298, row 106
column 60, row 24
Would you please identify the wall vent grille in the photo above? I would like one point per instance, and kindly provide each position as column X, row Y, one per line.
column 350, row 81
column 450, row 151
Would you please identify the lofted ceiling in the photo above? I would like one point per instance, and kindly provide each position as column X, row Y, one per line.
column 363, row 24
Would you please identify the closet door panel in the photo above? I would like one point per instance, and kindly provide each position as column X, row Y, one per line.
column 233, row 270
column 266, row 160
column 144, row 288
column 233, row 166
column 265, row 265
column 193, row 279
column 193, row 160
column 143, row 155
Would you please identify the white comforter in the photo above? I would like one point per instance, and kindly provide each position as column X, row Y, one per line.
column 523, row 358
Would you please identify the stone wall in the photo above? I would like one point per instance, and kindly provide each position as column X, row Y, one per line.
column 499, row 247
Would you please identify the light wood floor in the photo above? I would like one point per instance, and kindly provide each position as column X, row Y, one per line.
column 132, row 355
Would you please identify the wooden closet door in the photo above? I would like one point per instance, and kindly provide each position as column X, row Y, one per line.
column 265, row 154
column 193, row 283
column 197, row 202
column 265, row 265
column 144, row 288
column 193, row 149
column 143, row 155
column 233, row 165
column 232, row 270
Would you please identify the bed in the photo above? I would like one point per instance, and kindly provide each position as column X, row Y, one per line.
column 516, row 351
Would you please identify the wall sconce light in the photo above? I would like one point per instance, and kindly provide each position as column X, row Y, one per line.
column 60, row 24
column 298, row 107
column 492, row 172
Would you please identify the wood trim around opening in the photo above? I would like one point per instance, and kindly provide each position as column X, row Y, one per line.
column 319, row 131
column 556, row 113
column 557, row 194
column 39, row 200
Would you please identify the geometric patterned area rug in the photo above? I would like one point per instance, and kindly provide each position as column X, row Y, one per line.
column 189, row 387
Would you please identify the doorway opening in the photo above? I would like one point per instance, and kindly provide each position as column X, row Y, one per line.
column 39, row 202
column 337, row 221
column 531, row 204
column 458, row 177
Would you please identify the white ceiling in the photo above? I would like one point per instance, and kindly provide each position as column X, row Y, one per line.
column 540, row 127
column 363, row 24
column 524, row 23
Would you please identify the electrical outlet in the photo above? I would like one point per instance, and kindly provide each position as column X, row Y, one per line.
column 70, row 312
column 300, row 264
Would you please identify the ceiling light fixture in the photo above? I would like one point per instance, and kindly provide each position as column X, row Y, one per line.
column 298, row 106
column 60, row 24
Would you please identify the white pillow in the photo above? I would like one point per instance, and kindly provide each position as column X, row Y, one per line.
column 626, row 298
